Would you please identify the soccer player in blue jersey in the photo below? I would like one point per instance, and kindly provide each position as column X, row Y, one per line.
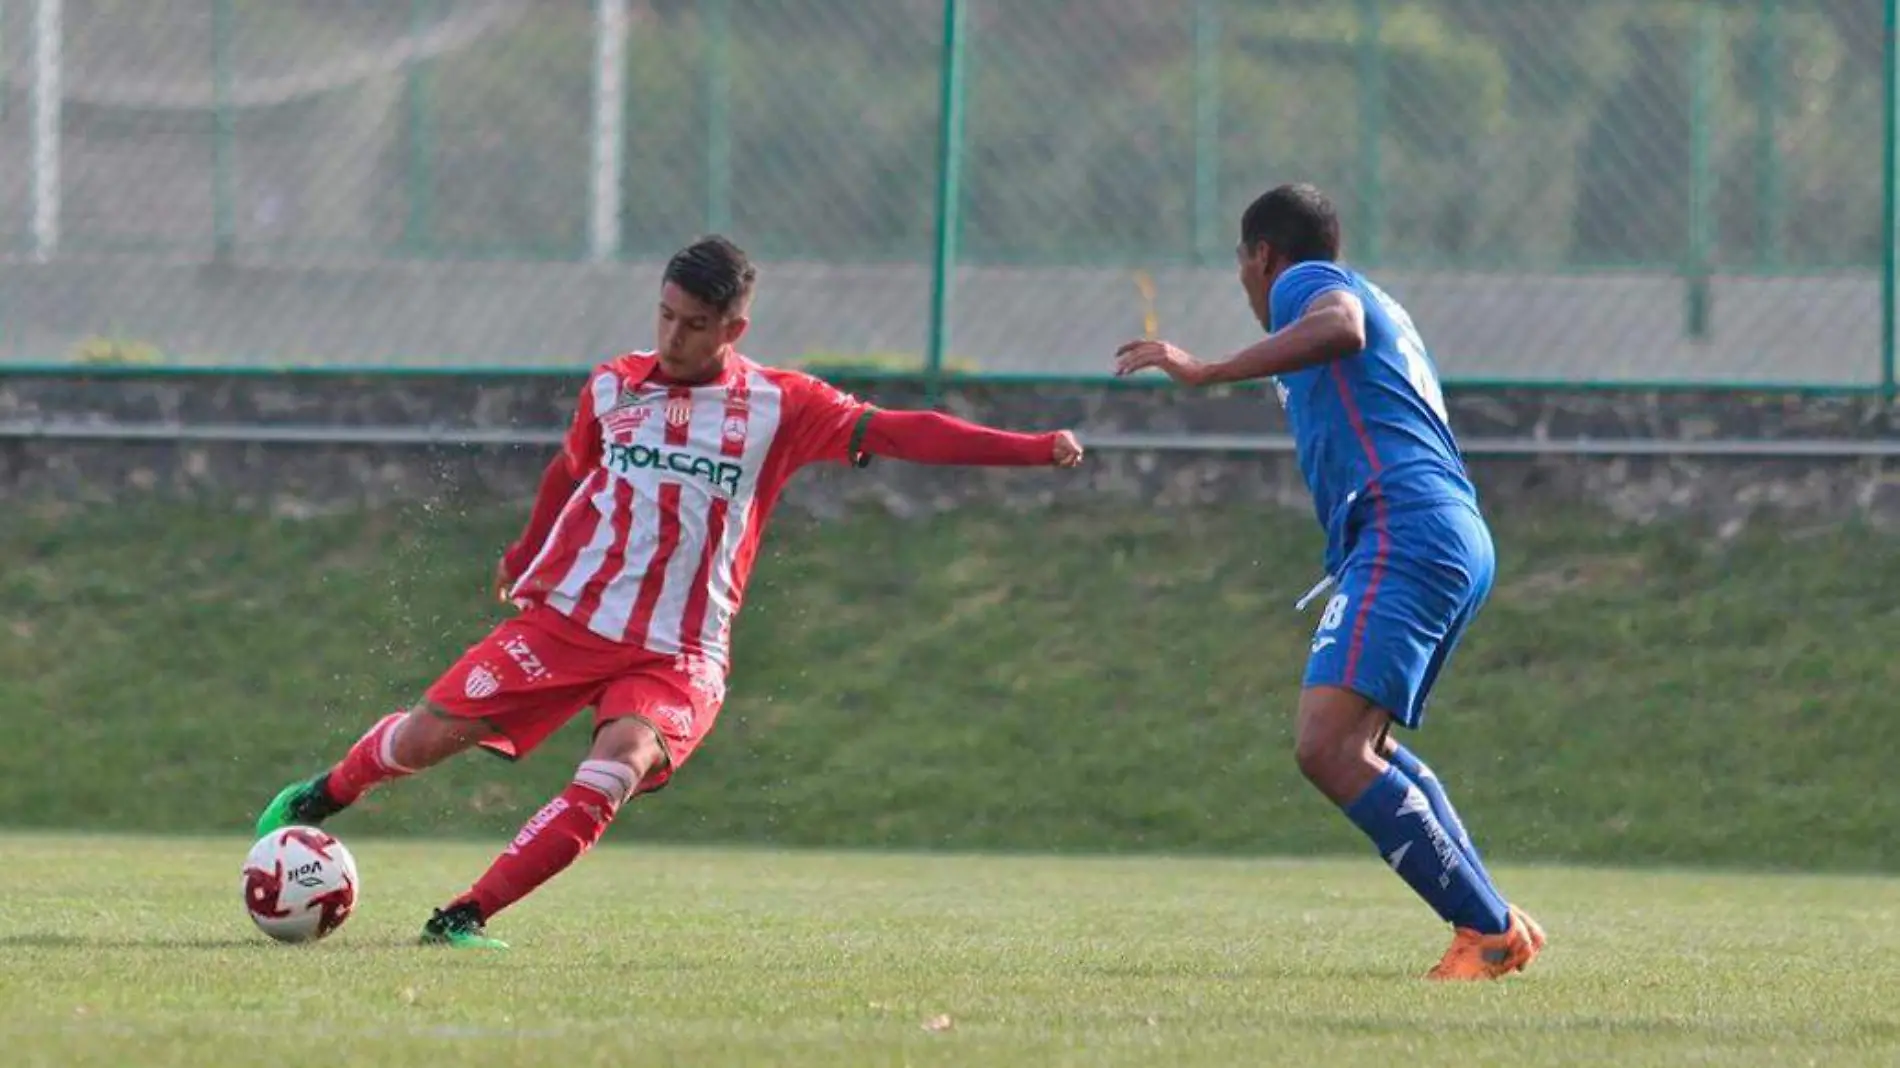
column 1405, row 542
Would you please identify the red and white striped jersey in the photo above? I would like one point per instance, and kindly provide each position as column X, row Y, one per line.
column 655, row 544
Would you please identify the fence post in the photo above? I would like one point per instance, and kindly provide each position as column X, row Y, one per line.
column 1207, row 161
column 1769, row 190
column 718, row 71
column 419, row 228
column 48, row 96
column 1702, row 76
column 1371, row 125
column 223, row 131
column 949, row 194
column 611, row 21
column 1890, row 197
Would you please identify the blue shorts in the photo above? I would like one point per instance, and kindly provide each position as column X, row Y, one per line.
column 1413, row 580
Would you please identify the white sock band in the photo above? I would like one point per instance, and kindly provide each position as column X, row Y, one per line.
column 390, row 726
column 609, row 778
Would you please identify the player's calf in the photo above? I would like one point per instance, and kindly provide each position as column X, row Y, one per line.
column 1338, row 733
column 1427, row 780
column 399, row 744
column 623, row 754
column 1335, row 742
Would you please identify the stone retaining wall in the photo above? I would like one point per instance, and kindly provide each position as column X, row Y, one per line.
column 305, row 478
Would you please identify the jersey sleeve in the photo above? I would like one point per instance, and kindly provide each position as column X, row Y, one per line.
column 582, row 445
column 1300, row 285
column 827, row 425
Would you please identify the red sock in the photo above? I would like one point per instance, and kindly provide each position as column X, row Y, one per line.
column 554, row 837
column 369, row 762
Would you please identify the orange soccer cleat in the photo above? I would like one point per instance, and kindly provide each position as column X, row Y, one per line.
column 1475, row 956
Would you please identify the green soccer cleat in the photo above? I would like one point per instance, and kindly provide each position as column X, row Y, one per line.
column 459, row 926
column 304, row 804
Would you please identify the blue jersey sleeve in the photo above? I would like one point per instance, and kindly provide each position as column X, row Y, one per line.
column 1299, row 286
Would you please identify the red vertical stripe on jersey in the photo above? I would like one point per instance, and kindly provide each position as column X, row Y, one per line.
column 1372, row 591
column 1352, row 417
column 550, row 565
column 693, row 622
column 1383, row 545
column 737, row 415
column 678, row 432
column 654, row 580
column 616, row 558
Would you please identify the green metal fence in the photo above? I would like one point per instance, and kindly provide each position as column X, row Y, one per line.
column 1665, row 191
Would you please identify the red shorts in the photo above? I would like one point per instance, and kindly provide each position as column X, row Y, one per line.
column 535, row 671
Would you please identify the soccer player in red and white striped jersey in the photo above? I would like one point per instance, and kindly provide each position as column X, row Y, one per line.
column 631, row 571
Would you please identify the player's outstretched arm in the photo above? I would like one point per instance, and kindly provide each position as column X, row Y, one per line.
column 557, row 485
column 936, row 438
column 1333, row 326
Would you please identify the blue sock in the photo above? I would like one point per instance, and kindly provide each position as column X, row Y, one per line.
column 1398, row 818
column 1414, row 768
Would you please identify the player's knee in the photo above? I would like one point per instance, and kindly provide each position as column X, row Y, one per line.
column 632, row 742
column 1338, row 730
column 426, row 737
column 1334, row 762
column 624, row 751
column 1317, row 756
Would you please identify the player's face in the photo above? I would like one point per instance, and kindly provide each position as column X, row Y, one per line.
column 1256, row 276
column 693, row 337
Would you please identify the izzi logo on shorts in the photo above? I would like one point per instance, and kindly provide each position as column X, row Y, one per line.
column 524, row 657
column 721, row 474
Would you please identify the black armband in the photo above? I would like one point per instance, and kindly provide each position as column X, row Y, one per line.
column 855, row 451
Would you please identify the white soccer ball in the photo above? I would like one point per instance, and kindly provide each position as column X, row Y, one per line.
column 299, row 884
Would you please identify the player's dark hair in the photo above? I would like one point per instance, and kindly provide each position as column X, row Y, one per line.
column 715, row 271
column 1297, row 220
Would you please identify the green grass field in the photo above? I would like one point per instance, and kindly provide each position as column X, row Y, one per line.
column 136, row 951
column 1089, row 680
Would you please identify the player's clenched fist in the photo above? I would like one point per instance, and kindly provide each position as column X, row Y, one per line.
column 1068, row 451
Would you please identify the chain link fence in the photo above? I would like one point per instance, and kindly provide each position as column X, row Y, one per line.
column 1692, row 191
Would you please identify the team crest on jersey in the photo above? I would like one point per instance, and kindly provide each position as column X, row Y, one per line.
column 679, row 411
column 481, row 683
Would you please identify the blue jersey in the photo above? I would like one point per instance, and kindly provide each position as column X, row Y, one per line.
column 1370, row 428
